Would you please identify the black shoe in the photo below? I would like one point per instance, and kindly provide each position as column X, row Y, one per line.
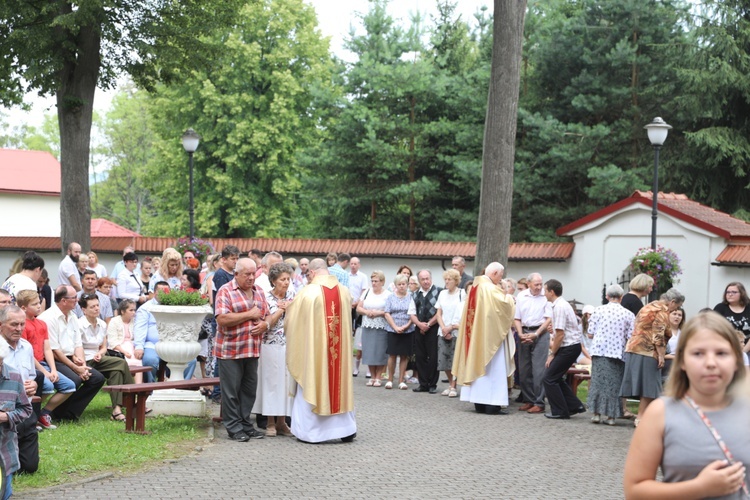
column 556, row 417
column 579, row 410
column 480, row 408
column 256, row 434
column 495, row 410
column 421, row 389
column 519, row 399
column 433, row 390
column 239, row 436
column 445, row 380
column 349, row 439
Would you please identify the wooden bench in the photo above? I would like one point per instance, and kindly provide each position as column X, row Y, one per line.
column 574, row 378
column 134, row 398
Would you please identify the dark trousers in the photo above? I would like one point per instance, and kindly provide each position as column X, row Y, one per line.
column 28, row 436
column 117, row 372
column 72, row 408
column 239, row 381
column 426, row 351
column 561, row 399
column 531, row 360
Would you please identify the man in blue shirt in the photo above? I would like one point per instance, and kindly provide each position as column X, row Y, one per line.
column 146, row 335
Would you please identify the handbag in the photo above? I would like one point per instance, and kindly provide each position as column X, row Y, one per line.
column 115, row 354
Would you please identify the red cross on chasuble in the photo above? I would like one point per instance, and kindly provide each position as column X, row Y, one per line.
column 333, row 329
column 470, row 311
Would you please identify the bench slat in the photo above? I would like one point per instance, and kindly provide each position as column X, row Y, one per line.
column 155, row 386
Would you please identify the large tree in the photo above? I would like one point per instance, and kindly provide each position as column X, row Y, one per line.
column 496, row 201
column 254, row 110
column 67, row 49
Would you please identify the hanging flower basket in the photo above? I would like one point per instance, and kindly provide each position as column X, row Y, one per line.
column 201, row 249
column 662, row 264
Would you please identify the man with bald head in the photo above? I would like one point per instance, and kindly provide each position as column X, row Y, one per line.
column 67, row 347
column 533, row 316
column 484, row 351
column 241, row 318
column 303, row 265
column 68, row 270
column 266, row 262
column 318, row 330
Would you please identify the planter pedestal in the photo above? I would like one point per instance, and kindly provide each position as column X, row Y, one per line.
column 178, row 327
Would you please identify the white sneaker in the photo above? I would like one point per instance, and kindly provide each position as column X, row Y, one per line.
column 413, row 380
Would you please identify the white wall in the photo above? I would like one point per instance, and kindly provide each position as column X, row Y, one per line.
column 37, row 215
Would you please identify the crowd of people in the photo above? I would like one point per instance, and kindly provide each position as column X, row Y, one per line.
column 287, row 339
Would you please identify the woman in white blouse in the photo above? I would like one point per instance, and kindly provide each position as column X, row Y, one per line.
column 610, row 325
column 449, row 308
column 129, row 285
column 94, row 340
column 374, row 335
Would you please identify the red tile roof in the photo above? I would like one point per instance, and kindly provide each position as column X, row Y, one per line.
column 734, row 254
column 29, row 172
column 369, row 248
column 106, row 228
column 680, row 207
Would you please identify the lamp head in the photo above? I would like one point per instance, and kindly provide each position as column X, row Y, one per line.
column 657, row 131
column 190, row 140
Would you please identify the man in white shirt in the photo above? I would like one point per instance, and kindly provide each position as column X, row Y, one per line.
column 68, row 271
column 266, row 262
column 65, row 341
column 563, row 352
column 303, row 264
column 358, row 281
column 31, row 271
column 533, row 316
column 88, row 282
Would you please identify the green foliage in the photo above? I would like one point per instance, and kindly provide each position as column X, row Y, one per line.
column 180, row 298
column 65, row 458
column 125, row 196
column 201, row 249
column 253, row 109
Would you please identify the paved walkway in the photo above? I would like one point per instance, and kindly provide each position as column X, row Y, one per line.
column 408, row 446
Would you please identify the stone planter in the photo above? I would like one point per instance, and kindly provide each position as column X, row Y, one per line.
column 178, row 327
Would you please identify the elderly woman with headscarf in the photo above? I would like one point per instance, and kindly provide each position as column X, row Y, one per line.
column 170, row 269
column 645, row 351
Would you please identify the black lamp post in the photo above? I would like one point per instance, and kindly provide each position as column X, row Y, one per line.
column 190, row 142
column 657, row 133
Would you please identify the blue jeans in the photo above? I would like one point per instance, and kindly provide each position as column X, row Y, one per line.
column 8, row 487
column 150, row 358
column 189, row 370
column 63, row 384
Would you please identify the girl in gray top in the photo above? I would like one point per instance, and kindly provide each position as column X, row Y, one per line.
column 697, row 433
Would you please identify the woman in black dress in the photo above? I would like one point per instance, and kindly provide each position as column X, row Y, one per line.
column 734, row 307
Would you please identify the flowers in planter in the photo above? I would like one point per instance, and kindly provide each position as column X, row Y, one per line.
column 181, row 298
column 662, row 264
column 202, row 249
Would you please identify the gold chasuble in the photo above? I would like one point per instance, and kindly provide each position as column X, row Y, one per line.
column 485, row 323
column 318, row 329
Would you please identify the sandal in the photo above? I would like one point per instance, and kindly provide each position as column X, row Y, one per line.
column 403, row 386
column 370, row 383
column 376, row 383
column 453, row 393
column 149, row 410
column 389, row 385
column 118, row 417
column 445, row 392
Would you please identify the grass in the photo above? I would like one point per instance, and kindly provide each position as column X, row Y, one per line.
column 96, row 444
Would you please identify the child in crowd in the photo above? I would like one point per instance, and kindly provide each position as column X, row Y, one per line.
column 697, row 433
column 35, row 332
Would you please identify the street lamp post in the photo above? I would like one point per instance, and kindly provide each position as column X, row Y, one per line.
column 657, row 133
column 190, row 142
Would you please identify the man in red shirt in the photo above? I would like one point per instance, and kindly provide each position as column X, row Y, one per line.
column 241, row 311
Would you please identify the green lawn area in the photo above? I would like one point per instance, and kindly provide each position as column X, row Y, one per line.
column 96, row 444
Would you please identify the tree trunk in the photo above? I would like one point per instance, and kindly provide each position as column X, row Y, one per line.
column 496, row 198
column 75, row 106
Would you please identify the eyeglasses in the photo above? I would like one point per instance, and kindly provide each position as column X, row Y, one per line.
column 731, row 292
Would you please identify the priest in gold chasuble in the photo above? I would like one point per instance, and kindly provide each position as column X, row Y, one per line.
column 318, row 330
column 483, row 361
